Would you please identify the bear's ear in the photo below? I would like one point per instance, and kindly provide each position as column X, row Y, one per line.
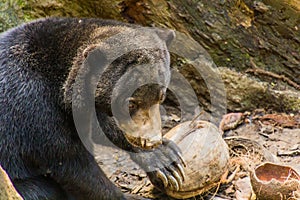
column 166, row 35
column 87, row 50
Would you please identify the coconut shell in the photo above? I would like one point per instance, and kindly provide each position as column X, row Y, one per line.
column 206, row 155
column 272, row 181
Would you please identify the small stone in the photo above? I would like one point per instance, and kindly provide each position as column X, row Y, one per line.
column 260, row 7
column 216, row 37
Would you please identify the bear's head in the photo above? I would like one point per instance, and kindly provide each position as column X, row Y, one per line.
column 124, row 72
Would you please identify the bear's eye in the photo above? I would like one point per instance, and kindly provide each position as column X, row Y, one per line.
column 131, row 105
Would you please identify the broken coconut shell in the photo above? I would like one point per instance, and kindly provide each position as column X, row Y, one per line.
column 206, row 155
column 272, row 182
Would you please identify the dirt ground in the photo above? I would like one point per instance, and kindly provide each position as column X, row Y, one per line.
column 255, row 137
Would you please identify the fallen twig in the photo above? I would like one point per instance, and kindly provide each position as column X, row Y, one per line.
column 289, row 153
column 257, row 70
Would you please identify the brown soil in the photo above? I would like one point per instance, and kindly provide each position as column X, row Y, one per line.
column 271, row 137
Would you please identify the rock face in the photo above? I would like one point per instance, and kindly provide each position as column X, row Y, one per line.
column 7, row 190
column 255, row 40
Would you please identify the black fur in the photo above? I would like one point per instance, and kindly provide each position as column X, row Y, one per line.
column 39, row 145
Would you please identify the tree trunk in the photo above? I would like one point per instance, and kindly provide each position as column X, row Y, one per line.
column 255, row 44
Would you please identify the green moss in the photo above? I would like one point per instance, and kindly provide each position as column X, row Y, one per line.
column 11, row 13
column 244, row 93
column 291, row 104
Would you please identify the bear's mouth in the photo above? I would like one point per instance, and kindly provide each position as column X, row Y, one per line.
column 144, row 143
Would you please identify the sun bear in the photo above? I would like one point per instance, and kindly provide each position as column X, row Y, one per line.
column 56, row 73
